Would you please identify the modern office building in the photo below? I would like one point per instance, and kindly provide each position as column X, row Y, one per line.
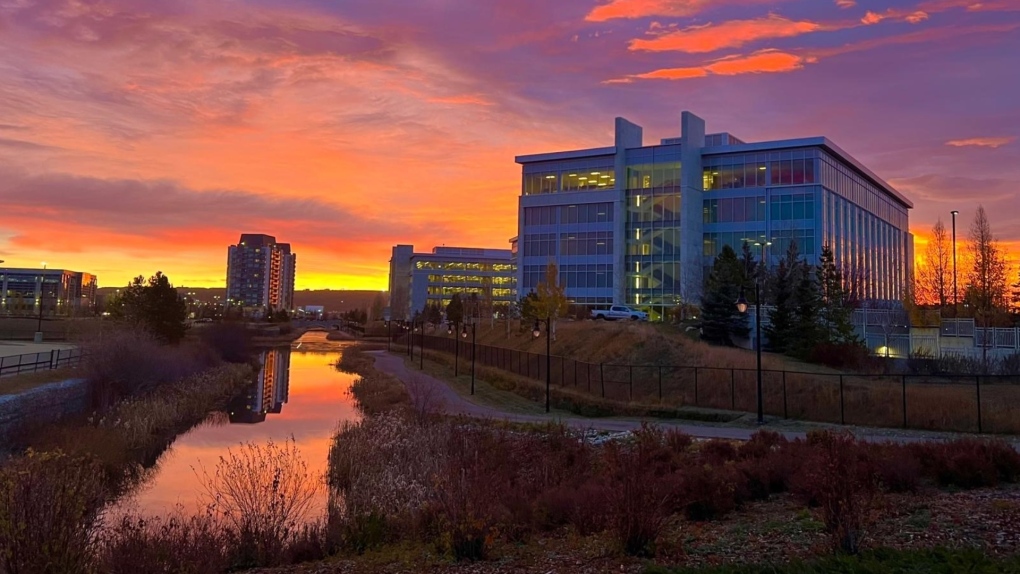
column 639, row 225
column 260, row 274
column 419, row 279
column 59, row 291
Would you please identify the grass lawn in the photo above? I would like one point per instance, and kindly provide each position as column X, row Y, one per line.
column 20, row 383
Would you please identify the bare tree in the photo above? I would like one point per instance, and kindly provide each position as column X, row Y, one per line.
column 986, row 280
column 934, row 277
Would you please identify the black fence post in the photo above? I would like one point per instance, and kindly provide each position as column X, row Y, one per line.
column 696, row 387
column 589, row 377
column 904, row 377
column 842, row 416
column 977, row 379
column 660, row 384
column 631, row 381
column 786, row 413
column 602, row 377
column 733, row 390
column 53, row 359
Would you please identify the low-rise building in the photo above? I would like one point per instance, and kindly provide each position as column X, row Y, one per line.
column 421, row 279
column 59, row 292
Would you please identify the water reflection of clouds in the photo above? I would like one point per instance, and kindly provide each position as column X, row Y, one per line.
column 317, row 399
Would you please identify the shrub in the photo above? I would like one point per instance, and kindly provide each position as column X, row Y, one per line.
column 707, row 492
column 50, row 508
column 718, row 451
column 842, row 356
column 641, row 491
column 263, row 494
column 165, row 545
column 897, row 468
column 840, row 477
column 969, row 463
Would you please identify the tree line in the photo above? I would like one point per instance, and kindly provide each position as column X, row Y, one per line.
column 981, row 286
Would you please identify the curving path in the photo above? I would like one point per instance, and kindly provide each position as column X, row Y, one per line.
column 451, row 402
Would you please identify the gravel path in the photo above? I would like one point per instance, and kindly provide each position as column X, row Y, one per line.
column 451, row 402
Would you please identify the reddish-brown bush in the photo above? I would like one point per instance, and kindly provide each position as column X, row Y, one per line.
column 718, row 451
column 840, row 476
column 707, row 492
column 897, row 467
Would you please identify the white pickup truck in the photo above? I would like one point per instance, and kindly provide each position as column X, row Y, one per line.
column 619, row 312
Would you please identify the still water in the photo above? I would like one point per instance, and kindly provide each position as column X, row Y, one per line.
column 297, row 395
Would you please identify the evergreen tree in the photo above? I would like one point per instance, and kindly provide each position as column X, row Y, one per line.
column 721, row 321
column 808, row 305
column 782, row 321
column 155, row 306
column 836, row 312
column 455, row 310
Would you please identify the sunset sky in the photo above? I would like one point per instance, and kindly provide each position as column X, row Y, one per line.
column 138, row 135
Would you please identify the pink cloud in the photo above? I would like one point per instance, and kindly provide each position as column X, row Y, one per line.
column 632, row 9
column 991, row 142
column 731, row 34
column 761, row 62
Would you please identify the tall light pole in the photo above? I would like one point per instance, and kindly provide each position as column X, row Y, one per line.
column 536, row 332
column 42, row 293
column 450, row 330
column 955, row 213
column 742, row 307
column 464, row 335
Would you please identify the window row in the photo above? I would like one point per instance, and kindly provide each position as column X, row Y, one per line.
column 735, row 209
column 805, row 239
column 774, row 173
column 466, row 266
column 715, row 241
column 540, row 245
column 568, row 214
column 792, row 206
column 587, row 243
column 587, row 276
column 571, row 180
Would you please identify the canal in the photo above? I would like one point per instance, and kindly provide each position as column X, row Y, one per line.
column 297, row 394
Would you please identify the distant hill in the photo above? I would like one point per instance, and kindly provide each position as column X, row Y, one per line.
column 335, row 301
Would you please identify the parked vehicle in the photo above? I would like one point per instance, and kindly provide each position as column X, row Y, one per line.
column 619, row 312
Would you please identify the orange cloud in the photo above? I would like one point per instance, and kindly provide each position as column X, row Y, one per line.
column 631, row 9
column 846, row 3
column 873, row 18
column 761, row 62
column 981, row 142
column 732, row 34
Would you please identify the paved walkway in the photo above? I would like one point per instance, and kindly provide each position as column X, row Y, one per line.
column 11, row 348
column 451, row 402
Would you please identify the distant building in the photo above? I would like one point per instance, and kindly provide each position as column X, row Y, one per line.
column 419, row 279
column 268, row 394
column 260, row 273
column 59, row 291
column 639, row 224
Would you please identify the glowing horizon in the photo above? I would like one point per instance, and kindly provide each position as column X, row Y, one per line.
column 138, row 136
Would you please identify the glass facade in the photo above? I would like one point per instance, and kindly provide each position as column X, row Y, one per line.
column 804, row 191
column 652, row 261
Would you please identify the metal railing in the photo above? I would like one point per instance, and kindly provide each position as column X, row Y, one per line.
column 32, row 362
column 962, row 403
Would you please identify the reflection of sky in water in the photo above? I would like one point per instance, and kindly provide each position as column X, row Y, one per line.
column 316, row 401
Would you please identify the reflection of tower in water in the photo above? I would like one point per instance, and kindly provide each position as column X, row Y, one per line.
column 268, row 392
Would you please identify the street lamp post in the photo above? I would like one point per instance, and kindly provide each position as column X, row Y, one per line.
column 456, row 349
column 389, row 335
column 421, row 355
column 536, row 332
column 954, row 213
column 742, row 307
column 473, row 348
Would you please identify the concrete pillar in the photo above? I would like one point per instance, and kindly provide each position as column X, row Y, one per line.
column 628, row 135
column 692, row 232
